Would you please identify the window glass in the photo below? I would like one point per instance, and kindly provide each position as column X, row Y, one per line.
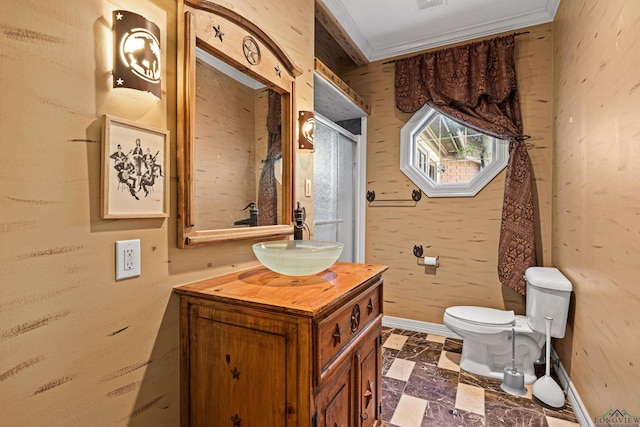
column 446, row 158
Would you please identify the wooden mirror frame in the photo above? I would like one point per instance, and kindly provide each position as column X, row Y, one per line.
column 220, row 32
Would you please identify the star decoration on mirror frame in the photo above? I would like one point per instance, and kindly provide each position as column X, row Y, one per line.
column 218, row 31
column 278, row 71
column 251, row 50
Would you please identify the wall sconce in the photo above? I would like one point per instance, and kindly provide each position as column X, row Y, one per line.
column 306, row 128
column 136, row 51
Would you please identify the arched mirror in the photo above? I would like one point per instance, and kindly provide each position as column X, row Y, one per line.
column 235, row 151
column 446, row 158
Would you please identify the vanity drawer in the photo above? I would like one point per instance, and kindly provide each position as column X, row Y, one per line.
column 334, row 332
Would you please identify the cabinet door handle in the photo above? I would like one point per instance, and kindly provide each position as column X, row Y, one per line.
column 368, row 395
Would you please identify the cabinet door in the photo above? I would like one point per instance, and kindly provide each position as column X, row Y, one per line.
column 242, row 370
column 369, row 385
column 335, row 400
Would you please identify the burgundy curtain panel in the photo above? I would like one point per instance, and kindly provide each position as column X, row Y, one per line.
column 268, row 190
column 475, row 84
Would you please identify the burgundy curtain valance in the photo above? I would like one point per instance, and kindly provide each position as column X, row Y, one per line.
column 476, row 84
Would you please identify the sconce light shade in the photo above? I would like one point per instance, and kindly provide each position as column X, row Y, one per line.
column 306, row 128
column 136, row 49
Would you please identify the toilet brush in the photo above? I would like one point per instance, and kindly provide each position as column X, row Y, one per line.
column 513, row 380
column 546, row 388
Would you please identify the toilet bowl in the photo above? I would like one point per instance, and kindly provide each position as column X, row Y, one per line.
column 487, row 341
column 487, row 331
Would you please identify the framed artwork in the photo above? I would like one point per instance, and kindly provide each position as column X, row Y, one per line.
column 135, row 176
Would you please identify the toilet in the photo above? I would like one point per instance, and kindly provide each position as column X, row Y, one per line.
column 487, row 331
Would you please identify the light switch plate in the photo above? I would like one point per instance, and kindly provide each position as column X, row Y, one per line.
column 307, row 188
column 127, row 259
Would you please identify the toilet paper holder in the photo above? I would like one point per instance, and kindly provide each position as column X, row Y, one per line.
column 418, row 252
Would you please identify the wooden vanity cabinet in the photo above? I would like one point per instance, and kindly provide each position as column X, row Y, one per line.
column 266, row 350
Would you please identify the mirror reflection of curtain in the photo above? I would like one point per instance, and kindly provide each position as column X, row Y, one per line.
column 268, row 189
column 476, row 84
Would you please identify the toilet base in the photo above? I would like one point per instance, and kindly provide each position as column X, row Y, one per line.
column 483, row 370
column 490, row 360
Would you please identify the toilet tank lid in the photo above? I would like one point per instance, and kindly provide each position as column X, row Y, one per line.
column 548, row 278
column 482, row 315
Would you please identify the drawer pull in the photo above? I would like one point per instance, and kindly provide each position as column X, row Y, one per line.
column 355, row 318
column 370, row 306
column 337, row 335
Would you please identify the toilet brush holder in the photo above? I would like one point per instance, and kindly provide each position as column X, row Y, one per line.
column 513, row 380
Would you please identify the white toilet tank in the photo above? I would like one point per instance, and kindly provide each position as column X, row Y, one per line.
column 548, row 294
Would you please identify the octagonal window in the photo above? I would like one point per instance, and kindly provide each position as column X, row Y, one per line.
column 445, row 158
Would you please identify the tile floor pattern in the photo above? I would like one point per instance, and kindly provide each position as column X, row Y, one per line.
column 423, row 386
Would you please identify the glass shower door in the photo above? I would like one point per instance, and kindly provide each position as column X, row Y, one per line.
column 334, row 187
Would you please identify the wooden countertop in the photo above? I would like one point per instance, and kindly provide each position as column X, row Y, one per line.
column 307, row 295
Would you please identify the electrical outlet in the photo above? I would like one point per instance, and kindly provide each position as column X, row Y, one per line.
column 127, row 259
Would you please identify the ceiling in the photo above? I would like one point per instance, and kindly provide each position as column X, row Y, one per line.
column 386, row 28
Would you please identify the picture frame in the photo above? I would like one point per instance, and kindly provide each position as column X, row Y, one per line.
column 135, row 175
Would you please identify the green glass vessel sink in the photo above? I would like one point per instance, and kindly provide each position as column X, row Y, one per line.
column 297, row 257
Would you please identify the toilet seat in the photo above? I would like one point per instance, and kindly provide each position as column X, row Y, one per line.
column 483, row 320
column 483, row 316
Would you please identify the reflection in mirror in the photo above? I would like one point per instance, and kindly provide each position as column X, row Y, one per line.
column 238, row 173
column 446, row 158
column 235, row 152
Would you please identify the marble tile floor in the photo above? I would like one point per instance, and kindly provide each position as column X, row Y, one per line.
column 423, row 386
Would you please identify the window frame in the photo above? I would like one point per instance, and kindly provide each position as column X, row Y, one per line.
column 408, row 166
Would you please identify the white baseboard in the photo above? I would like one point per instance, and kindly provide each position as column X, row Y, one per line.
column 437, row 329
column 572, row 394
column 418, row 326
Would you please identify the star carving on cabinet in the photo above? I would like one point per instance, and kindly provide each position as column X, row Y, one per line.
column 219, row 32
column 368, row 395
column 236, row 420
column 235, row 373
column 337, row 335
column 370, row 306
column 278, row 71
